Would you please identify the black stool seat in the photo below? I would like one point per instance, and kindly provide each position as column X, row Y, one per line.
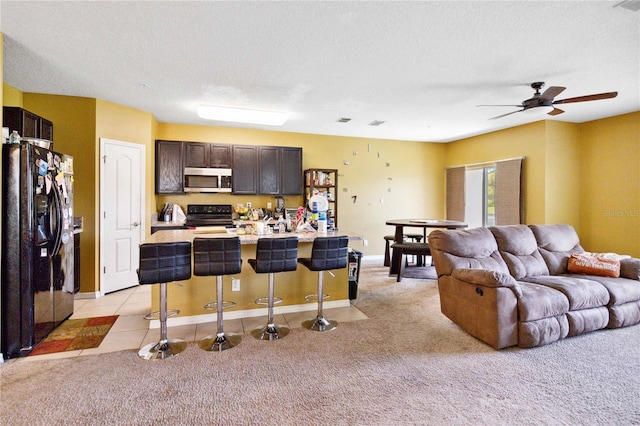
column 161, row 263
column 407, row 248
column 218, row 257
column 273, row 255
column 327, row 253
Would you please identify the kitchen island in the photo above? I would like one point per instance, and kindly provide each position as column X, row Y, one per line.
column 190, row 296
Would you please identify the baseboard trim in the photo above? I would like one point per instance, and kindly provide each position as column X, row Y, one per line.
column 87, row 295
column 249, row 313
column 379, row 258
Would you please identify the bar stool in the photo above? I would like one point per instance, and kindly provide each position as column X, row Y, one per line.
column 327, row 253
column 161, row 263
column 217, row 257
column 273, row 255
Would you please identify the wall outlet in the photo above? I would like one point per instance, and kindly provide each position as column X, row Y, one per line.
column 235, row 284
column 269, row 205
column 365, row 242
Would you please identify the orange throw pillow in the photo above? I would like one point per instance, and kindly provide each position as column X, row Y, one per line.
column 593, row 264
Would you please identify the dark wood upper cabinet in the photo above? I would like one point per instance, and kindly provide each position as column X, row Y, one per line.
column 196, row 154
column 220, row 156
column 269, row 170
column 169, row 167
column 291, row 167
column 203, row 154
column 46, row 129
column 245, row 169
column 26, row 123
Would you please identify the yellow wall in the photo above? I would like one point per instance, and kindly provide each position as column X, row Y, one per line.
column 610, row 190
column 562, row 174
column 527, row 141
column 11, row 96
column 390, row 179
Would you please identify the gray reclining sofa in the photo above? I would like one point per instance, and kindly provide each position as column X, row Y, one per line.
column 509, row 285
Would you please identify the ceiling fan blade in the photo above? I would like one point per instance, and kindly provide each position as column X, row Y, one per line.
column 515, row 106
column 599, row 96
column 555, row 111
column 551, row 93
column 504, row 115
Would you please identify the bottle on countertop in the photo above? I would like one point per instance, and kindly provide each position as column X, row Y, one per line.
column 322, row 222
column 14, row 137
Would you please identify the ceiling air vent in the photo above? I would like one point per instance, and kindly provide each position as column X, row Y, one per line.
column 343, row 120
column 376, row 123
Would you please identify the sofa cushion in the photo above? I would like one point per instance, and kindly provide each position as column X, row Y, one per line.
column 556, row 243
column 519, row 249
column 473, row 248
column 539, row 301
column 630, row 268
column 621, row 290
column 582, row 293
column 542, row 332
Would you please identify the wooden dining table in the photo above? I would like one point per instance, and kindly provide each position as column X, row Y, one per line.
column 400, row 224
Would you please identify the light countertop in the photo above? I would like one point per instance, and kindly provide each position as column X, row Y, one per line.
column 174, row 235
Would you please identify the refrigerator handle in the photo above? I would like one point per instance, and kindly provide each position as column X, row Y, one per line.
column 57, row 205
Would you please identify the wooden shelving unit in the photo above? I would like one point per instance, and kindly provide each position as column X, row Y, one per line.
column 323, row 182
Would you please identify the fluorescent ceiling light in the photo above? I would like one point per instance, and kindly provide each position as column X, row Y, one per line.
column 241, row 115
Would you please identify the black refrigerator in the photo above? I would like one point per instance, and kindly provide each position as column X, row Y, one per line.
column 37, row 245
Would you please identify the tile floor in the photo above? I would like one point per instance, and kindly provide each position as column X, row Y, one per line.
column 131, row 330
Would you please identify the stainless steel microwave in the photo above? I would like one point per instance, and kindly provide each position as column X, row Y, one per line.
column 198, row 179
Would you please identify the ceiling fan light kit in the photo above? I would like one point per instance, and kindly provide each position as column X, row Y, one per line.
column 543, row 103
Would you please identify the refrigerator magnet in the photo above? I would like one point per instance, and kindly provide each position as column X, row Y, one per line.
column 42, row 167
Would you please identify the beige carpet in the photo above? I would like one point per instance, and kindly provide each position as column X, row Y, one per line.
column 407, row 365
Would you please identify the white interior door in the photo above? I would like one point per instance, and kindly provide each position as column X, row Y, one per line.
column 122, row 213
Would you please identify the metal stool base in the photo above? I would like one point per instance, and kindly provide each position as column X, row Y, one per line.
column 320, row 323
column 218, row 343
column 162, row 350
column 270, row 332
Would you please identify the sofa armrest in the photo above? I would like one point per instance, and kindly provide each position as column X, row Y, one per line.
column 630, row 268
column 487, row 279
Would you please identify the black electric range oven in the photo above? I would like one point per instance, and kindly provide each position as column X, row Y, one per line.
column 209, row 215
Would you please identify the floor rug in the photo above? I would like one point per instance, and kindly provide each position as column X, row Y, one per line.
column 76, row 334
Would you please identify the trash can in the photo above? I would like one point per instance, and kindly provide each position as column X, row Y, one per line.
column 354, row 273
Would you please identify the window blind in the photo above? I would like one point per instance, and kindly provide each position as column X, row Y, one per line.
column 509, row 201
column 455, row 193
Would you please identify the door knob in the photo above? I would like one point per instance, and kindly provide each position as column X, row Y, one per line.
column 135, row 224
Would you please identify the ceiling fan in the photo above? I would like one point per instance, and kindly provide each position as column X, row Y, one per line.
column 545, row 100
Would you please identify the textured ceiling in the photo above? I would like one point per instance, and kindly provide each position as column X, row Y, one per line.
column 421, row 67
